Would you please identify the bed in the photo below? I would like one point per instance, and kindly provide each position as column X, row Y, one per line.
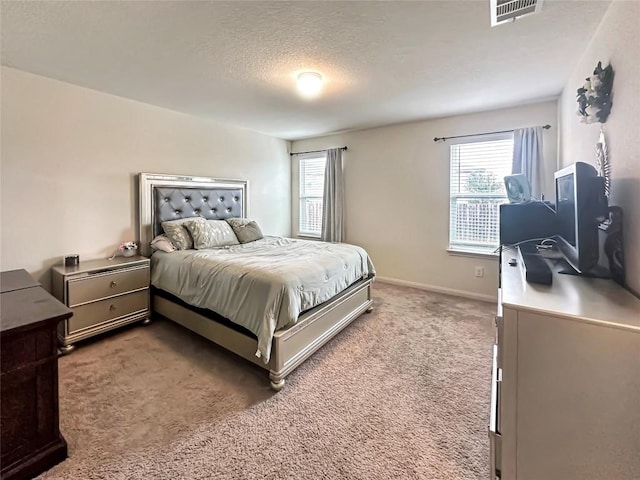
column 300, row 328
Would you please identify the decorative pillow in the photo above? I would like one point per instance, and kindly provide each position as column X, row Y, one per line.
column 210, row 233
column 161, row 242
column 178, row 234
column 246, row 230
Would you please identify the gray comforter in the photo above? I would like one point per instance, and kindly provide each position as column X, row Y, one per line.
column 262, row 285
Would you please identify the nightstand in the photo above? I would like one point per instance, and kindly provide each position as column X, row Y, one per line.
column 103, row 295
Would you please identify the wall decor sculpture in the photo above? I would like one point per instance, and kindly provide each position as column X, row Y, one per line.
column 594, row 97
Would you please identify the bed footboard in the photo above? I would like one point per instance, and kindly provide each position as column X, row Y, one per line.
column 290, row 347
column 293, row 346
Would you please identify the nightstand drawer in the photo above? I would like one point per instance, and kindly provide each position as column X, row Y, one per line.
column 103, row 285
column 96, row 313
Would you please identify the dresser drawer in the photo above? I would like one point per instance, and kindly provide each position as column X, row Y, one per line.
column 23, row 349
column 95, row 313
column 103, row 285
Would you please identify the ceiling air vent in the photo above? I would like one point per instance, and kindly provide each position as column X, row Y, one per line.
column 503, row 11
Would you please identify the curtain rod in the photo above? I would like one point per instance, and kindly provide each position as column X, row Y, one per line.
column 314, row 151
column 437, row 139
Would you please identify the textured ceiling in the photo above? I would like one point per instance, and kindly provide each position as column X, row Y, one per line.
column 236, row 62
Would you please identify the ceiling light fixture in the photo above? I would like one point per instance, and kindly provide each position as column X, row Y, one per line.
column 309, row 84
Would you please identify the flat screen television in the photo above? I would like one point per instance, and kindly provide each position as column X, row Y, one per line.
column 580, row 206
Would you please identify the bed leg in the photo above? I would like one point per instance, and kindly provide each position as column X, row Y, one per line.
column 277, row 382
column 369, row 310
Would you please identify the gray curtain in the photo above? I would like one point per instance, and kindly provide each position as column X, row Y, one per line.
column 527, row 157
column 333, row 202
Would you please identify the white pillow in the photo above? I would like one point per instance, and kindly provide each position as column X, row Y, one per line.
column 161, row 242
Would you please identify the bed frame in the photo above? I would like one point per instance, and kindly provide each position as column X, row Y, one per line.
column 171, row 197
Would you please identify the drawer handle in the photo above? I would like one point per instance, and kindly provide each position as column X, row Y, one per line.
column 112, row 308
column 113, row 284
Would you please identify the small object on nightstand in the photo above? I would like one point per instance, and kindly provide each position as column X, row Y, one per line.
column 71, row 260
column 128, row 249
column 103, row 294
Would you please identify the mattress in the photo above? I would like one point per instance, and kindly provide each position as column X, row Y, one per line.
column 264, row 285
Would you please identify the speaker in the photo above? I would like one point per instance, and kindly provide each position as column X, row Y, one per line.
column 526, row 221
column 518, row 188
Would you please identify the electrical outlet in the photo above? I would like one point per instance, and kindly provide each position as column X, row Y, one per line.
column 479, row 272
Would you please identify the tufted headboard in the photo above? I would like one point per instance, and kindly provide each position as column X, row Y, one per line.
column 171, row 197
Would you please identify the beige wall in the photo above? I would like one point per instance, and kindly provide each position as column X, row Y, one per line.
column 70, row 156
column 397, row 195
column 617, row 41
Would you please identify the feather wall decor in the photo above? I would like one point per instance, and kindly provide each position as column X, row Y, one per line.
column 602, row 162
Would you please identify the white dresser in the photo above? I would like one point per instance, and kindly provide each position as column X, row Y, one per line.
column 566, row 380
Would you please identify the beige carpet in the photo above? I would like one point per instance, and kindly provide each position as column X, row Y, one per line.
column 401, row 393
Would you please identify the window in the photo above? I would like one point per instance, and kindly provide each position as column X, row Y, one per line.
column 477, row 189
column 311, row 194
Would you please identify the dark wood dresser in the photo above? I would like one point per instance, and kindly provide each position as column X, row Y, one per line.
column 31, row 439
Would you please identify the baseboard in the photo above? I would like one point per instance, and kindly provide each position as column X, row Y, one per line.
column 433, row 288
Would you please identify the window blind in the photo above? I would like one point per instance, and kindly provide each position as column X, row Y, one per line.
column 477, row 190
column 311, row 194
